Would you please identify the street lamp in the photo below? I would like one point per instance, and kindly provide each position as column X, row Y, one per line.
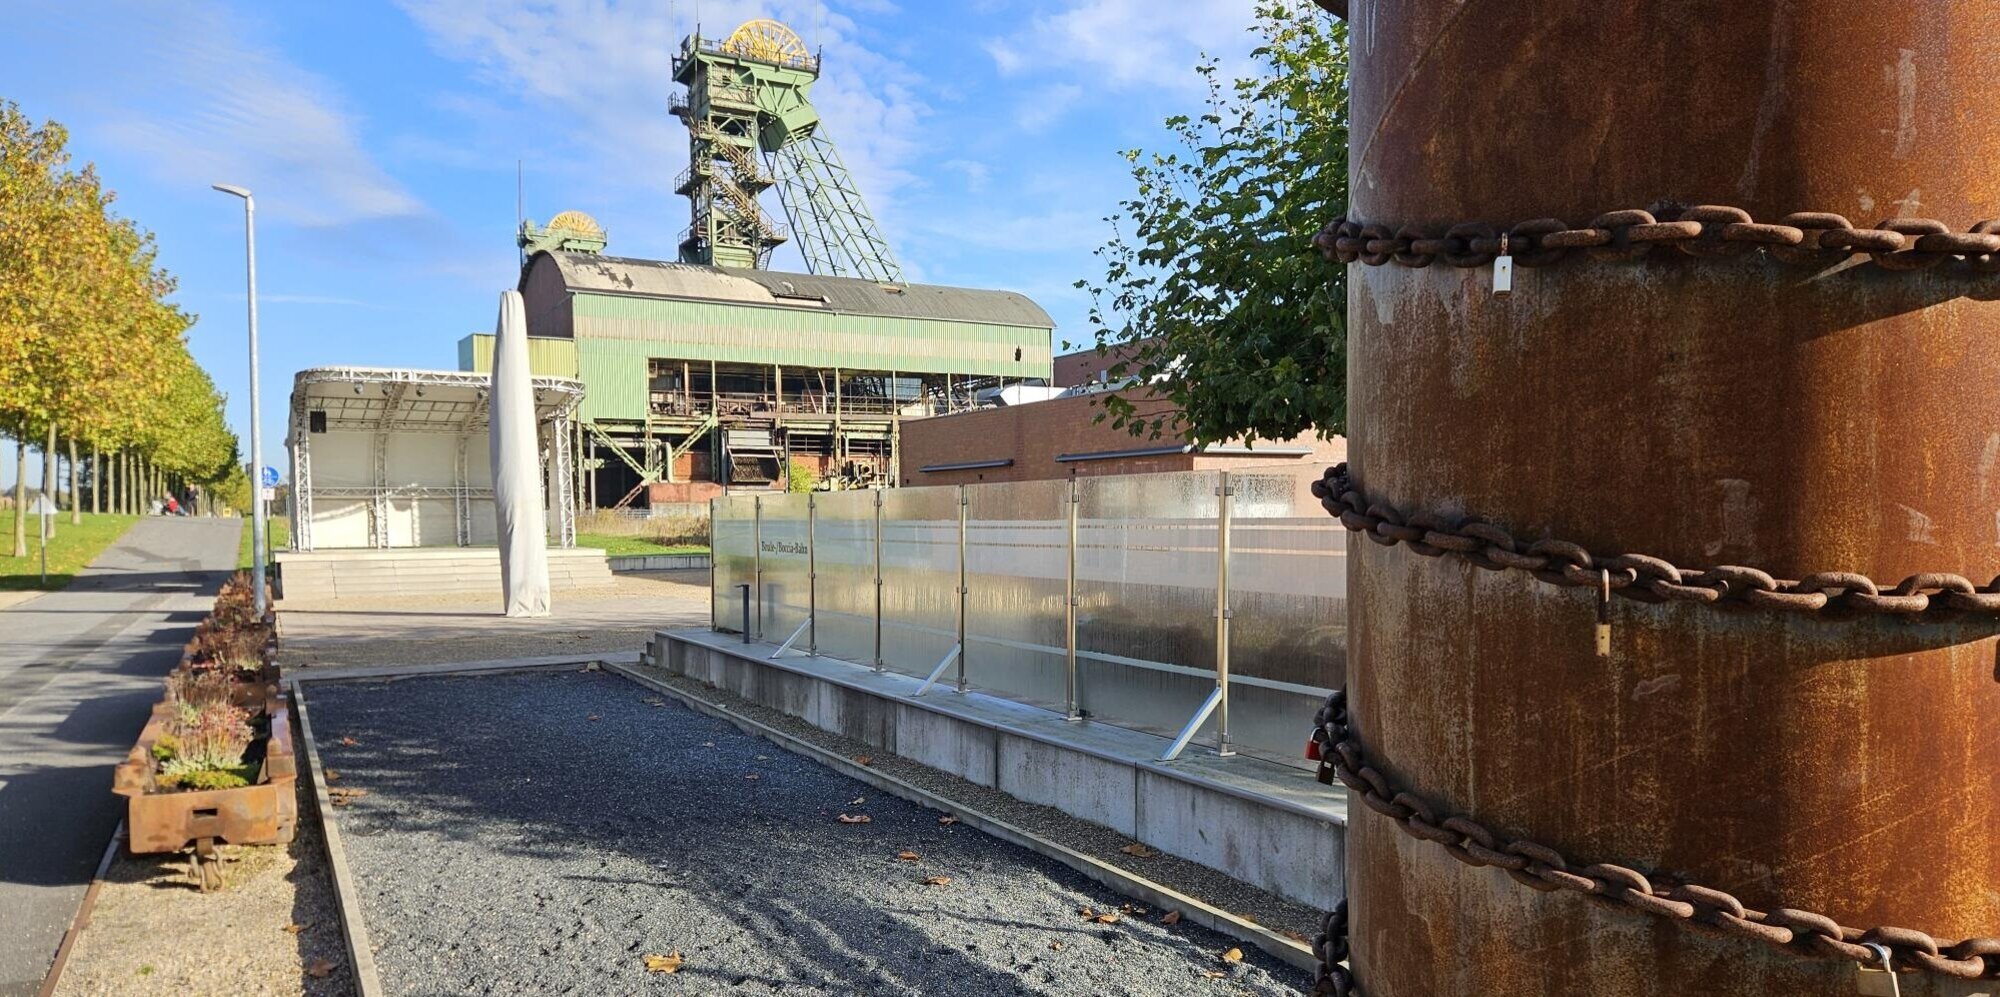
column 257, row 525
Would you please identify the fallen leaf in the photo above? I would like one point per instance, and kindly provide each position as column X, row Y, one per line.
column 907, row 856
column 1055, row 946
column 857, row 801
column 1108, row 917
column 1214, row 974
column 1132, row 908
column 1233, row 956
column 856, row 819
column 763, row 758
column 1087, row 911
column 1294, row 935
column 864, row 760
column 593, row 717
column 753, row 777
column 947, row 820
column 1171, row 917
column 295, row 927
column 348, row 742
column 319, row 969
column 332, row 775
column 937, row 881
column 657, row 963
column 1141, row 851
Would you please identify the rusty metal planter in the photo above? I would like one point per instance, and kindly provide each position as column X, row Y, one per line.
column 262, row 813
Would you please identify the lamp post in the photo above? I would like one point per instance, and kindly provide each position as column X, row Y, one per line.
column 257, row 526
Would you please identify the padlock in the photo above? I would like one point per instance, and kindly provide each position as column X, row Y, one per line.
column 1604, row 614
column 1312, row 749
column 1503, row 271
column 1872, row 982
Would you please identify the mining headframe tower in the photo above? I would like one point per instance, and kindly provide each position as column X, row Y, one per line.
column 713, row 372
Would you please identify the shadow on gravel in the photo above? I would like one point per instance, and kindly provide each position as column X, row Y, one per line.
column 547, row 831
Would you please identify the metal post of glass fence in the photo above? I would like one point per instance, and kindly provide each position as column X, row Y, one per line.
column 714, row 594
column 812, row 576
column 1071, row 691
column 1223, row 493
column 878, row 580
column 964, row 501
column 747, row 638
column 757, row 566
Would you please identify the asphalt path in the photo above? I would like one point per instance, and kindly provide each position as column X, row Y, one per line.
column 79, row 672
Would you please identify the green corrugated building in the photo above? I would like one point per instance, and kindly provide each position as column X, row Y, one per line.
column 701, row 377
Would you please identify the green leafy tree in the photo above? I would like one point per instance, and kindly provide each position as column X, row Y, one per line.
column 90, row 349
column 1213, row 298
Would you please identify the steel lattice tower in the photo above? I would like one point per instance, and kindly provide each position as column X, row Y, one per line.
column 751, row 126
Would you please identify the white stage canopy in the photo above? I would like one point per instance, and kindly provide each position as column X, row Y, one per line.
column 387, row 458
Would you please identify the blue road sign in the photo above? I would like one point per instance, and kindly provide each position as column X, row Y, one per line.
column 270, row 477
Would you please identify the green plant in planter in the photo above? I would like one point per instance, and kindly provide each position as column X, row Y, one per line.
column 209, row 734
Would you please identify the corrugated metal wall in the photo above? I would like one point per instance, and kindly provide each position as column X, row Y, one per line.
column 546, row 357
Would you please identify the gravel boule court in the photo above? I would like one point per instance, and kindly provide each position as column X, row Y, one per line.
column 574, row 832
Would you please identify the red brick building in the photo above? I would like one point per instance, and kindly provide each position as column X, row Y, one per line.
column 1060, row 439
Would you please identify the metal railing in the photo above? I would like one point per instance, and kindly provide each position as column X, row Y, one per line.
column 1181, row 604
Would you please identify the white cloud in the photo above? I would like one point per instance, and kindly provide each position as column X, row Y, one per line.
column 1005, row 58
column 1129, row 43
column 1046, row 105
column 601, row 72
column 976, row 174
column 206, row 101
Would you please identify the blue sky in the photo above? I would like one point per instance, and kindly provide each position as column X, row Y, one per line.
column 381, row 140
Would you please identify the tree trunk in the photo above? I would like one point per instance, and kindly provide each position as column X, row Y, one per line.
column 21, row 497
column 96, row 481
column 75, row 497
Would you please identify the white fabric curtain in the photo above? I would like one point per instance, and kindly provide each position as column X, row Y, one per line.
column 517, row 470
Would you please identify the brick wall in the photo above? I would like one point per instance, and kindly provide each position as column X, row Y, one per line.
column 1033, row 436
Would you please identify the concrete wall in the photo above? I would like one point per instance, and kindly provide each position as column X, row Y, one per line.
column 1267, row 825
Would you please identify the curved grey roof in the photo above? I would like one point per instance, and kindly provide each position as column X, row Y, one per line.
column 588, row 273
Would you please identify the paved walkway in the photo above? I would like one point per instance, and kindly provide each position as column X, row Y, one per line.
column 417, row 628
column 78, row 672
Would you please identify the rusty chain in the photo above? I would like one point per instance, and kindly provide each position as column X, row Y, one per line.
column 1644, row 578
column 1542, row 868
column 1810, row 238
column 1334, row 979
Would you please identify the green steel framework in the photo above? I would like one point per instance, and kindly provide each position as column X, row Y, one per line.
column 750, row 95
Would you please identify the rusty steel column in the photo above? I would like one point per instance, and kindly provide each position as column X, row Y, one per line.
column 1734, row 410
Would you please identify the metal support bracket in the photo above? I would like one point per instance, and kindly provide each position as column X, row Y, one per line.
column 787, row 645
column 939, row 670
column 1187, row 733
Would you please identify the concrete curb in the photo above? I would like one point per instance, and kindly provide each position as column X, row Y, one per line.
column 350, row 673
column 1295, row 953
column 82, row 919
column 360, row 955
column 658, row 562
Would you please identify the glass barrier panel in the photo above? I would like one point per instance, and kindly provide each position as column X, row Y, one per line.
column 1017, row 561
column 845, row 544
column 1146, row 572
column 786, row 590
column 1288, row 609
column 731, row 528
column 919, row 578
